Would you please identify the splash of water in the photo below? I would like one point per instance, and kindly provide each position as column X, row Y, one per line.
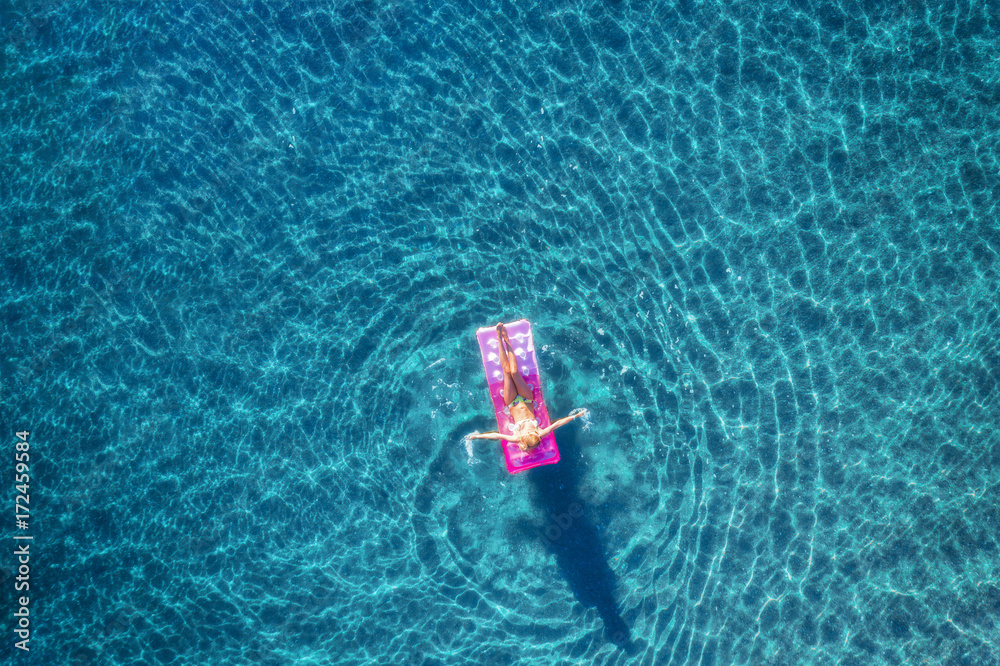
column 467, row 440
column 586, row 416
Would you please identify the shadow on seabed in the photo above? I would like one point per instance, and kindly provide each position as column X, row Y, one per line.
column 574, row 539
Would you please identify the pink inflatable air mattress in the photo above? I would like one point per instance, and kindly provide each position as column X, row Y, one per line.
column 547, row 452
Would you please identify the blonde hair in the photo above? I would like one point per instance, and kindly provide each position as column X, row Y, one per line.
column 531, row 440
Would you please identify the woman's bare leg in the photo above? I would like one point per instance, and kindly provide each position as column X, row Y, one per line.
column 510, row 367
column 509, row 387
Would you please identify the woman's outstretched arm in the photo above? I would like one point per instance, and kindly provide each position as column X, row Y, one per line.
column 492, row 435
column 561, row 422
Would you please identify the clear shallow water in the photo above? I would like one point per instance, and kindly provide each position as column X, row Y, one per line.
column 248, row 246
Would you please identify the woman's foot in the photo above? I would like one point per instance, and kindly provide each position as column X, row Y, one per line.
column 506, row 339
column 501, row 352
column 502, row 338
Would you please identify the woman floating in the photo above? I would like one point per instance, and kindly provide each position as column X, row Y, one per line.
column 519, row 398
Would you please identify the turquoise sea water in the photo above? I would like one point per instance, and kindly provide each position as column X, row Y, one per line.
column 247, row 247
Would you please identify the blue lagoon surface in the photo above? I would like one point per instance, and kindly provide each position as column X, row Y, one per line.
column 247, row 246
